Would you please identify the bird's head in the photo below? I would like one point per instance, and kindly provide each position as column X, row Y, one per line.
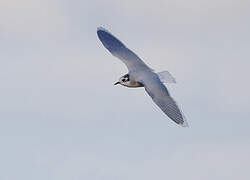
column 124, row 80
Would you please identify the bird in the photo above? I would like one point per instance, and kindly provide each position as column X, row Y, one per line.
column 141, row 75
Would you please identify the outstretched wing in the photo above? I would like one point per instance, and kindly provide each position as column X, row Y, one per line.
column 119, row 50
column 162, row 98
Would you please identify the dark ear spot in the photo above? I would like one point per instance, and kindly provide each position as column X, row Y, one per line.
column 126, row 77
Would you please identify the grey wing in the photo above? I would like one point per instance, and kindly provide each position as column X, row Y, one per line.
column 167, row 104
column 119, row 50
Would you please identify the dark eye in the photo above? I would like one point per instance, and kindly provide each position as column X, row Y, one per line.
column 123, row 80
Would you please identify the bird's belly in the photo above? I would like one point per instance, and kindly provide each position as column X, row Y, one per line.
column 133, row 84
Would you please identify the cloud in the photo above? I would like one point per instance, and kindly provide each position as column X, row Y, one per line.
column 212, row 161
column 70, row 122
column 31, row 16
column 200, row 161
column 191, row 161
column 202, row 12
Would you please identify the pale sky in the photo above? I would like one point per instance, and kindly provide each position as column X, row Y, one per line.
column 62, row 118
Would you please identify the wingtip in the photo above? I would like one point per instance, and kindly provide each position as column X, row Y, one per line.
column 185, row 123
column 101, row 29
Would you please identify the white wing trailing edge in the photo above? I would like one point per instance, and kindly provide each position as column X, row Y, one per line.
column 166, row 77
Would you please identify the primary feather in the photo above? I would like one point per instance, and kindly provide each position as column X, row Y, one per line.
column 119, row 50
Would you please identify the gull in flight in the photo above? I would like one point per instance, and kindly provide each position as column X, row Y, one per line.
column 140, row 75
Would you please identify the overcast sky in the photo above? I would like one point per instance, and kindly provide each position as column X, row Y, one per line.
column 61, row 117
